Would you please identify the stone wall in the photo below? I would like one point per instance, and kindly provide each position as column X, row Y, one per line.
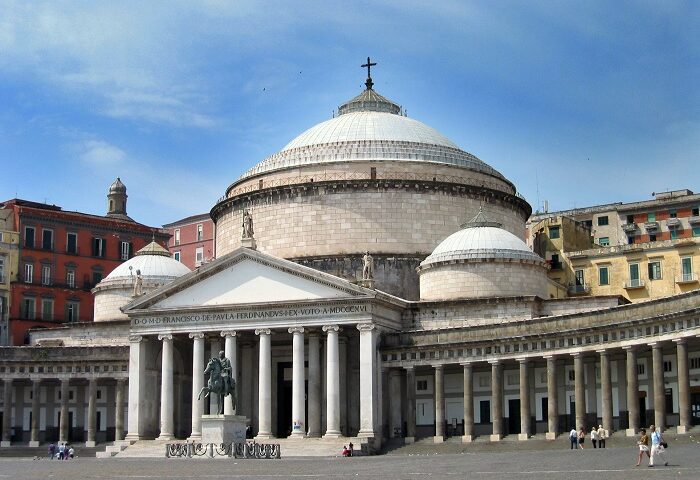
column 483, row 279
column 83, row 334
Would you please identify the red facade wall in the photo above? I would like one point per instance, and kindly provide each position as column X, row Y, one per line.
column 187, row 247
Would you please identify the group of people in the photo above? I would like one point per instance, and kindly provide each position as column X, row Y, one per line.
column 657, row 452
column 598, row 437
column 348, row 450
column 61, row 452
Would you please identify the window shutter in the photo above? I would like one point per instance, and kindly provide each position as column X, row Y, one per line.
column 131, row 249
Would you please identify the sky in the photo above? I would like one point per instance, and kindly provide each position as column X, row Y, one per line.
column 578, row 103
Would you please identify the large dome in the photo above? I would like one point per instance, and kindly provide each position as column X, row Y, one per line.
column 153, row 261
column 370, row 135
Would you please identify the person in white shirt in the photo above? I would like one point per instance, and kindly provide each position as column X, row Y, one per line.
column 658, row 451
column 594, row 437
column 573, row 437
column 602, row 435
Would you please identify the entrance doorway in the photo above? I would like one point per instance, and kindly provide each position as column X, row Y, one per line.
column 284, row 399
column 643, row 410
column 695, row 408
column 514, row 416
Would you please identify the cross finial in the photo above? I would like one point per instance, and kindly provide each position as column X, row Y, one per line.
column 369, row 65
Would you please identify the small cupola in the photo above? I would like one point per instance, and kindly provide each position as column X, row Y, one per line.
column 116, row 200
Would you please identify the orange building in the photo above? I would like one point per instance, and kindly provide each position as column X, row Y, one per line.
column 192, row 240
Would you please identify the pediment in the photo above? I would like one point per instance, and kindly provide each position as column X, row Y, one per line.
column 244, row 277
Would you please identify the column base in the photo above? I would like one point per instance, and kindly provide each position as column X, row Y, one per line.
column 196, row 438
column 467, row 438
column 263, row 436
column 366, row 434
column 5, row 443
column 495, row 437
column 313, row 435
column 682, row 429
column 297, row 435
column 438, row 439
column 130, row 437
column 550, row 436
column 409, row 440
column 90, row 444
column 523, row 436
column 166, row 436
column 33, row 443
column 631, row 432
column 335, row 434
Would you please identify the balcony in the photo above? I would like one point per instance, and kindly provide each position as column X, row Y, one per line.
column 630, row 227
column 686, row 278
column 575, row 290
column 694, row 220
column 673, row 222
column 634, row 284
column 651, row 226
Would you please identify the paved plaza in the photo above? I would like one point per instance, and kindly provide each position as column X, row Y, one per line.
column 617, row 463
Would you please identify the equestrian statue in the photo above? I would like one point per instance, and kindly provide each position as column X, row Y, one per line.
column 221, row 381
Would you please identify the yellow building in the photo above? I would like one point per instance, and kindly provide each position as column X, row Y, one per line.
column 9, row 266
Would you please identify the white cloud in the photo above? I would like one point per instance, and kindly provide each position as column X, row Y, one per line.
column 99, row 153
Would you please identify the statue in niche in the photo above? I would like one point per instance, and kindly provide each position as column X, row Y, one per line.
column 247, row 224
column 138, row 284
column 367, row 267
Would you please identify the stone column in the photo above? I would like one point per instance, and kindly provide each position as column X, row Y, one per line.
column 34, row 439
column 92, row 412
column 395, row 401
column 439, row 404
column 137, row 379
column 63, row 424
column 167, row 429
column 314, row 396
column 198, row 366
column 264, row 384
column 7, row 413
column 659, row 387
column 231, row 352
column 552, row 399
column 683, row 386
column 468, row 403
column 496, row 400
column 632, row 391
column 214, row 349
column 119, row 411
column 524, row 399
column 332, row 382
column 298, row 382
column 579, row 390
column 606, row 390
column 368, row 380
column 410, row 405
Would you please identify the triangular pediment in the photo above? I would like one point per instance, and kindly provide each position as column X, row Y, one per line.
column 246, row 276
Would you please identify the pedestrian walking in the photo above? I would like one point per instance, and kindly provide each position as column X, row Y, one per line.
column 658, row 448
column 61, row 451
column 52, row 451
column 581, row 437
column 643, row 446
column 594, row 437
column 573, row 438
column 602, row 436
column 71, row 452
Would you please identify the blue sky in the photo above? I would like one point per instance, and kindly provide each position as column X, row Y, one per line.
column 577, row 103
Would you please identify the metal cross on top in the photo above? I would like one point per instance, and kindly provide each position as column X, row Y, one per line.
column 369, row 66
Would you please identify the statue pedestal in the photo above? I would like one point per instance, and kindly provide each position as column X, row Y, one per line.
column 369, row 283
column 223, row 428
column 248, row 242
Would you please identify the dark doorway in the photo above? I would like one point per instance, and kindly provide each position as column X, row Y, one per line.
column 695, row 408
column 485, row 411
column 642, row 411
column 514, row 416
column 284, row 401
column 545, row 409
column 572, row 415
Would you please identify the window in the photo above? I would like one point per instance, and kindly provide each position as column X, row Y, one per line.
column 634, row 274
column 28, row 308
column 47, row 239
column 630, row 219
column 651, row 217
column 46, row 275
column 176, row 256
column 70, row 278
column 46, row 309
column 579, row 277
column 668, row 366
column 630, row 240
column 199, row 256
column 588, row 223
column 2, row 272
column 603, row 276
column 604, row 241
column 655, row 270
column 673, row 214
column 696, row 231
column 177, row 236
column 603, row 220
column 126, row 250
column 554, row 232
column 695, row 212
column 572, row 375
column 652, row 237
column 28, row 273
column 72, row 243
column 422, row 385
column 695, row 363
column 200, row 232
column 72, row 311
column 686, row 269
column 96, row 278
column 98, row 247
column 674, row 233
column 29, row 237
column 641, row 369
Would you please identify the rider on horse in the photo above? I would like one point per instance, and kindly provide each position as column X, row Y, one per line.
column 226, row 372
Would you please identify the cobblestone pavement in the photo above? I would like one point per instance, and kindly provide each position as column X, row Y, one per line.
column 611, row 463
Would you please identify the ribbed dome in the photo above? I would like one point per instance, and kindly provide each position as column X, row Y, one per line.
column 117, row 187
column 153, row 261
column 370, row 135
column 481, row 243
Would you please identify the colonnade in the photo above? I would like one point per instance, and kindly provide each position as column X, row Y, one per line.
column 553, row 365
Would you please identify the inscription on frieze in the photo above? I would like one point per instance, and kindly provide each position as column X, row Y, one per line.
column 187, row 318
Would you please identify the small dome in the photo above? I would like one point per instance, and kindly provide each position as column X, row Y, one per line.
column 153, row 261
column 117, row 187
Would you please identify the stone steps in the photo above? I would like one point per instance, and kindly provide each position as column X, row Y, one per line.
column 115, row 448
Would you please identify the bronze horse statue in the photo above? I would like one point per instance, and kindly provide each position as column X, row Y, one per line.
column 217, row 385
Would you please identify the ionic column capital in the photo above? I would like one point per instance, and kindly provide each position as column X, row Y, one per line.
column 196, row 335
column 438, row 366
column 331, row 328
column 523, row 360
column 410, row 368
column 655, row 345
column 603, row 352
column 121, row 381
column 135, row 338
column 165, row 337
column 228, row 333
column 263, row 331
column 495, row 363
column 366, row 327
column 577, row 354
column 296, row 330
column 630, row 348
column 467, row 365
column 680, row 341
